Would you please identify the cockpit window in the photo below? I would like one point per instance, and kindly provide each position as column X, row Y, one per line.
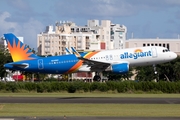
column 165, row 50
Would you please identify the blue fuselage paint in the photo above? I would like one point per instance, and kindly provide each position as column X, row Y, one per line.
column 52, row 65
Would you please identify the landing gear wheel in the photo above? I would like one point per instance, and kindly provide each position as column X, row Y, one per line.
column 97, row 78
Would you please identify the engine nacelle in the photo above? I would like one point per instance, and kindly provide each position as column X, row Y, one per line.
column 119, row 68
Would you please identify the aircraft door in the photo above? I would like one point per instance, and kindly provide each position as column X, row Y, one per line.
column 40, row 64
column 154, row 52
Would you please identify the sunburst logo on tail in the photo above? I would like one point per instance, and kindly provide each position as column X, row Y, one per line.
column 19, row 52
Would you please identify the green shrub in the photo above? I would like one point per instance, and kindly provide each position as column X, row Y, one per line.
column 121, row 87
column 30, row 86
column 103, row 87
column 71, row 88
column 112, row 85
column 11, row 87
column 40, row 88
column 94, row 86
column 2, row 86
column 86, row 87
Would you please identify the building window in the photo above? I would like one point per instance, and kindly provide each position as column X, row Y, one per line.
column 152, row 44
column 156, row 44
column 144, row 45
column 148, row 44
column 159, row 44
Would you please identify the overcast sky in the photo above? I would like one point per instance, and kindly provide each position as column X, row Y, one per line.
column 143, row 18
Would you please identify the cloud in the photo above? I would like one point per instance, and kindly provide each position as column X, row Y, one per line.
column 110, row 8
column 5, row 26
column 28, row 29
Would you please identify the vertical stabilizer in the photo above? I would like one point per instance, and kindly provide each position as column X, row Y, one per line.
column 18, row 50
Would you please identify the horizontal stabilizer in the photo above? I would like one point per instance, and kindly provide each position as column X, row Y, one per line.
column 11, row 65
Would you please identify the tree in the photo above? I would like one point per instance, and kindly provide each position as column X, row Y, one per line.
column 169, row 71
column 145, row 73
column 5, row 57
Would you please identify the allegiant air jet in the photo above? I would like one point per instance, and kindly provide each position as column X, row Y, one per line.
column 117, row 61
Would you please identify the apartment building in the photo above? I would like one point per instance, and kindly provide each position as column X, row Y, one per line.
column 118, row 35
column 93, row 36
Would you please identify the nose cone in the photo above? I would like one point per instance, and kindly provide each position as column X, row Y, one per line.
column 174, row 56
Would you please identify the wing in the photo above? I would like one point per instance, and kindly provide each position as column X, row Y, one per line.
column 100, row 65
column 95, row 65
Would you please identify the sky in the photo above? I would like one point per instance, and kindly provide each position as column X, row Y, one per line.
column 143, row 18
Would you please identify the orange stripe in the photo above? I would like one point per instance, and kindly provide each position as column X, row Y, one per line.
column 90, row 54
column 75, row 67
column 79, row 63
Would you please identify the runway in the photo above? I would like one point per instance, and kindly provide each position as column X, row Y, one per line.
column 87, row 100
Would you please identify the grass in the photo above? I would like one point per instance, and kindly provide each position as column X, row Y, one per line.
column 125, row 110
column 94, row 94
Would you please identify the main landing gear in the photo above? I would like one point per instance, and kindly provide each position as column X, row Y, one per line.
column 98, row 76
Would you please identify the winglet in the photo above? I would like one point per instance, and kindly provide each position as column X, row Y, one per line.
column 18, row 50
column 68, row 51
column 75, row 52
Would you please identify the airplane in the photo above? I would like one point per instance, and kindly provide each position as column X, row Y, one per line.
column 117, row 61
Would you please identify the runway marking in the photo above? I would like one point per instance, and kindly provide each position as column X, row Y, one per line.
column 6, row 119
column 171, row 101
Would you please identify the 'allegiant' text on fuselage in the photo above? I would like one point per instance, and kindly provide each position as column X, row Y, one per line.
column 135, row 55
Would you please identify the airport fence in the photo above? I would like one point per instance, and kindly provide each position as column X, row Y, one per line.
column 78, row 86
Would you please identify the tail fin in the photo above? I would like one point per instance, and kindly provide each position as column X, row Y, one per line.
column 17, row 49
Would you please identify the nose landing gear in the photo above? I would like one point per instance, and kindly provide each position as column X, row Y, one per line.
column 155, row 72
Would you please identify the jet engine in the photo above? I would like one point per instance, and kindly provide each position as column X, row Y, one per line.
column 119, row 68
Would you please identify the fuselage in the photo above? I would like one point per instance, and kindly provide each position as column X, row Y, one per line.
column 70, row 63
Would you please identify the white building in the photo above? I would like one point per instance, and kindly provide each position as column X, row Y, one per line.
column 118, row 35
column 171, row 44
column 67, row 34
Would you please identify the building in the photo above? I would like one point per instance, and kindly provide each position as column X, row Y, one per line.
column 118, row 35
column 101, row 34
column 83, row 38
column 171, row 44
